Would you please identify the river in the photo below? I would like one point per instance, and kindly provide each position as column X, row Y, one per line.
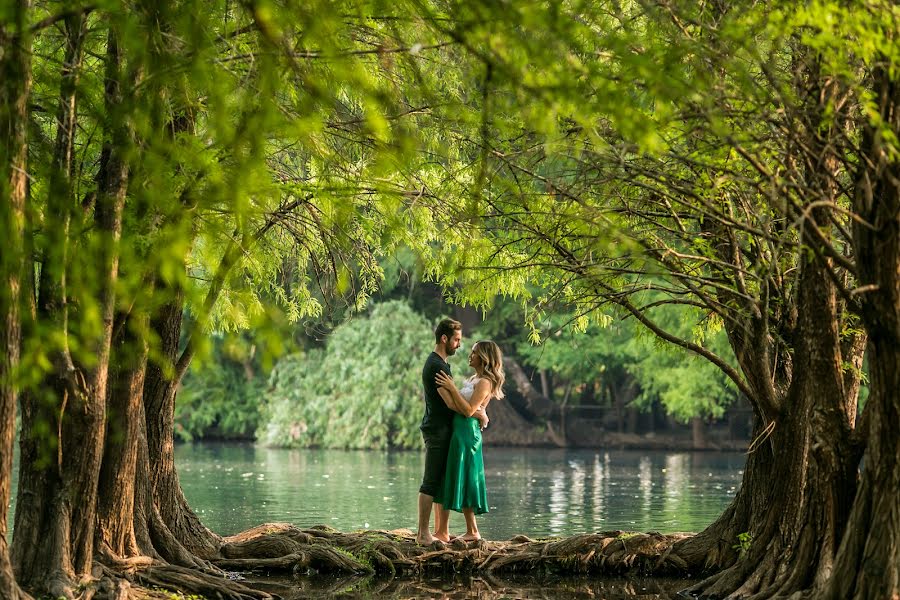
column 537, row 492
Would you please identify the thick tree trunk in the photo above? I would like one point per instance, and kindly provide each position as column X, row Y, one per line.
column 115, row 511
column 868, row 562
column 52, row 475
column 15, row 85
column 176, row 517
column 58, row 501
column 791, row 530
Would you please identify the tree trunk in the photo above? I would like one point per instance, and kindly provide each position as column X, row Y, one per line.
column 15, row 87
column 49, row 486
column 699, row 436
column 632, row 416
column 792, row 529
column 546, row 384
column 623, row 390
column 58, row 501
column 176, row 519
column 868, row 562
column 115, row 511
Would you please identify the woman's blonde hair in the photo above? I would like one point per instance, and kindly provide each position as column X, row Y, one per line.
column 492, row 361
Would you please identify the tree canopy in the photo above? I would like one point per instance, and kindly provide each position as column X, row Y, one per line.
column 606, row 159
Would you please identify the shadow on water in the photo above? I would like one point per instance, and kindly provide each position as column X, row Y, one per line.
column 481, row 588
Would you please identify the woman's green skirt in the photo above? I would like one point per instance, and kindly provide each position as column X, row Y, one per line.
column 464, row 478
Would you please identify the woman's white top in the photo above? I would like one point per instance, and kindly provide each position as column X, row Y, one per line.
column 467, row 389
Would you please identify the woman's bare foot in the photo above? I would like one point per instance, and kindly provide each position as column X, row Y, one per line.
column 424, row 540
column 469, row 538
column 444, row 537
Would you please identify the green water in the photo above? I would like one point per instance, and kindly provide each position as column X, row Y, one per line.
column 538, row 492
column 463, row 588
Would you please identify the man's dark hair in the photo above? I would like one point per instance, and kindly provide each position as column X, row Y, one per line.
column 446, row 327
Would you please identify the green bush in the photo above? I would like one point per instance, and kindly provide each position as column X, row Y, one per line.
column 220, row 397
column 363, row 390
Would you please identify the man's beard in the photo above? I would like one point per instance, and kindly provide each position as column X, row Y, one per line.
column 449, row 350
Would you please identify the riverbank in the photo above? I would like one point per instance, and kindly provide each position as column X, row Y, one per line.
column 280, row 549
column 283, row 547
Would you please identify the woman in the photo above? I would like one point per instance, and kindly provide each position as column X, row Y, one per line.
column 464, row 489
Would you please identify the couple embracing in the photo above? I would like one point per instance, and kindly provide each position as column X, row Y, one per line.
column 451, row 428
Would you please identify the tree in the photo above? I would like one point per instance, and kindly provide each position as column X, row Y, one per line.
column 736, row 159
column 363, row 390
column 204, row 158
column 705, row 153
column 15, row 84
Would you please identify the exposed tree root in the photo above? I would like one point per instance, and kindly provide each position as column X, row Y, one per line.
column 195, row 582
column 280, row 548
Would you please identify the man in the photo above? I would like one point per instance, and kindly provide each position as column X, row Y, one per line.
column 437, row 428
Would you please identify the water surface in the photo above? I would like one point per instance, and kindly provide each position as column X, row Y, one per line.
column 538, row 492
column 482, row 588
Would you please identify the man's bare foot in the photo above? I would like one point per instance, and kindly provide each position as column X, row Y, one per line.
column 469, row 538
column 444, row 537
column 424, row 540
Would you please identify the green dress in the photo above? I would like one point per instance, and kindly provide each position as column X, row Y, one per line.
column 464, row 478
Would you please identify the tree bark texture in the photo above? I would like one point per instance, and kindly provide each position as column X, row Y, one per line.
column 791, row 530
column 868, row 562
column 15, row 87
column 45, row 507
column 793, row 355
column 58, row 493
column 160, row 390
column 116, row 508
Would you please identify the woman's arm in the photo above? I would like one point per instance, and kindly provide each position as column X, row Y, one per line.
column 456, row 403
column 480, row 395
column 448, row 392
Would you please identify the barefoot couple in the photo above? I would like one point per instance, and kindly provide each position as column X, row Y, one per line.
column 451, row 427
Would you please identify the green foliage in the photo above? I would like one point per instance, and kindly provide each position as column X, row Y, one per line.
column 686, row 385
column 608, row 348
column 221, row 396
column 567, row 155
column 363, row 390
column 621, row 148
column 176, row 594
column 744, row 540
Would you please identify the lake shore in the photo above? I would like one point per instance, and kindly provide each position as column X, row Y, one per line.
column 254, row 560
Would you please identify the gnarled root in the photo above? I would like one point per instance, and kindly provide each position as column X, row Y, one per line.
column 286, row 548
column 282, row 548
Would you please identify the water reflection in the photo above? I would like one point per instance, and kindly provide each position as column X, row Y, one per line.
column 537, row 492
column 482, row 588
